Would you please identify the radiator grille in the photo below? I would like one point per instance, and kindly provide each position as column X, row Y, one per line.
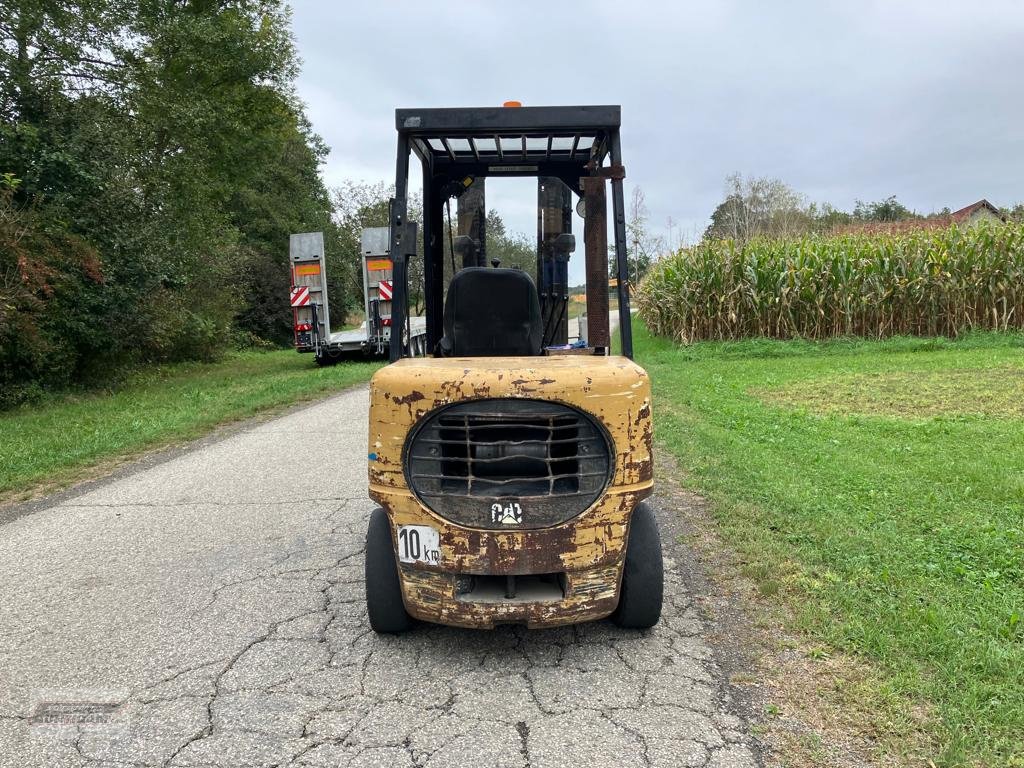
column 550, row 459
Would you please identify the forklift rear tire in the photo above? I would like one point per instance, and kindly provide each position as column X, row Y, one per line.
column 383, row 589
column 643, row 574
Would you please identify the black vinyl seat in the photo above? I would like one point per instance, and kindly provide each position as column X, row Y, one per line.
column 491, row 312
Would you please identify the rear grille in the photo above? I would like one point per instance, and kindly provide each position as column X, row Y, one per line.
column 541, row 462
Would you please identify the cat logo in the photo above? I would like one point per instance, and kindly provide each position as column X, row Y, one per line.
column 507, row 514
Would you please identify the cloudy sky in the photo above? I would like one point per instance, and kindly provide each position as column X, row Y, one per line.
column 842, row 100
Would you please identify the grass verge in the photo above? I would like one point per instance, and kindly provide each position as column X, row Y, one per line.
column 51, row 444
column 893, row 534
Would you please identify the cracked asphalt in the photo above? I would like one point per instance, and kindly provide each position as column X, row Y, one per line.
column 217, row 598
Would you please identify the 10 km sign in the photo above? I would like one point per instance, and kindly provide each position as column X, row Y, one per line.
column 300, row 296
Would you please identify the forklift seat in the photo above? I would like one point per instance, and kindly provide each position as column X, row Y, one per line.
column 491, row 312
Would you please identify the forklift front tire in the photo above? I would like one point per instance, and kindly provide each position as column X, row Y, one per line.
column 643, row 574
column 383, row 589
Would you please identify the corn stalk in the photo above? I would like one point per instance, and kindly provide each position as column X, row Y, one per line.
column 924, row 283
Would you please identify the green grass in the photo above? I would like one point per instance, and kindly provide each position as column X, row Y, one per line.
column 52, row 443
column 991, row 390
column 895, row 533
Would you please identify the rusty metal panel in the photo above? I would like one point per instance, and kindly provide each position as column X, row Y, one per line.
column 472, row 219
column 614, row 390
column 590, row 595
column 595, row 237
column 615, row 172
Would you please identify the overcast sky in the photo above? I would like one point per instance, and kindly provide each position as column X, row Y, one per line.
column 843, row 100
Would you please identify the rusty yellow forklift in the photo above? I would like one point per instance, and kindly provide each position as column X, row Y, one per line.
column 510, row 466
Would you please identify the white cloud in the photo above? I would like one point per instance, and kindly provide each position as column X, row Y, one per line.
column 843, row 101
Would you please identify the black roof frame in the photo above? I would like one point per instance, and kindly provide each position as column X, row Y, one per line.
column 506, row 119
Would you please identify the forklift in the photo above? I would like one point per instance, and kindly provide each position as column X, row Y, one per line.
column 510, row 467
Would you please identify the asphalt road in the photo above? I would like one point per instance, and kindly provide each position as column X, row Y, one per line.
column 217, row 598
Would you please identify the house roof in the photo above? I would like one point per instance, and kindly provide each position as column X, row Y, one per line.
column 968, row 211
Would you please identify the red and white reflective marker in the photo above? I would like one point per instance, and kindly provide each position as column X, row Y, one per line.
column 300, row 296
column 384, row 288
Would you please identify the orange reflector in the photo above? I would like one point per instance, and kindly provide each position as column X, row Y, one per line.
column 378, row 265
column 306, row 270
column 512, row 104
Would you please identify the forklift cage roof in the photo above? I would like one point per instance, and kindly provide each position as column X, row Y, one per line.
column 513, row 136
column 454, row 144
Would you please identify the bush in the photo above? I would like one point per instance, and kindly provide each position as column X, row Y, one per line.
column 52, row 305
column 66, row 320
column 927, row 283
column 177, row 332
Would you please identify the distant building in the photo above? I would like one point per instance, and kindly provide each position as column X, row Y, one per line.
column 975, row 213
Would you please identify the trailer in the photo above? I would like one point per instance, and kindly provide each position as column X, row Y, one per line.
column 311, row 310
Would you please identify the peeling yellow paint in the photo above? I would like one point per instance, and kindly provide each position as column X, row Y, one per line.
column 589, row 547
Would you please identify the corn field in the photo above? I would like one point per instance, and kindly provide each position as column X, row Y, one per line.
column 926, row 283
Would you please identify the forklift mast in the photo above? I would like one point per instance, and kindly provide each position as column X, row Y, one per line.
column 555, row 244
column 569, row 150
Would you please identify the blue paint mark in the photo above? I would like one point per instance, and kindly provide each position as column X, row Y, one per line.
column 372, row 457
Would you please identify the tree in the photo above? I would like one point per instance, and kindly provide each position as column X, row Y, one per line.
column 162, row 160
column 228, row 151
column 827, row 218
column 642, row 247
column 889, row 209
column 357, row 206
column 1014, row 214
column 757, row 206
column 512, row 249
